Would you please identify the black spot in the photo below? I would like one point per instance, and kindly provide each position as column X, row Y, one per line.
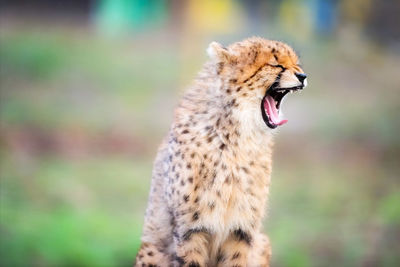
column 185, row 131
column 195, row 216
column 227, row 136
column 186, row 198
column 222, row 146
column 172, row 220
column 190, row 180
column 214, row 174
column 220, row 257
column 220, row 66
column 240, row 235
column 186, row 236
column 150, row 253
column 249, row 191
column 227, row 180
column 175, row 234
column 235, row 255
column 211, row 205
column 194, row 264
column 255, row 56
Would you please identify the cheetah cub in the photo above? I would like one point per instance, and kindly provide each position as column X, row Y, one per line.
column 212, row 173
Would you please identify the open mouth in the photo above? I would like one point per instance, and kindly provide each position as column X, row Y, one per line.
column 270, row 105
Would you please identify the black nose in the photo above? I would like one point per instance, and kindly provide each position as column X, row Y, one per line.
column 301, row 76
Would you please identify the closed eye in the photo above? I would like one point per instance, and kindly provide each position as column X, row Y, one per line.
column 260, row 68
column 277, row 66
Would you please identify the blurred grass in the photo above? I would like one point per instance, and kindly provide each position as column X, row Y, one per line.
column 54, row 72
column 69, row 213
column 315, row 212
column 73, row 189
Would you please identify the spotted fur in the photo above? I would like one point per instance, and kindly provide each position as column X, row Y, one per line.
column 211, row 176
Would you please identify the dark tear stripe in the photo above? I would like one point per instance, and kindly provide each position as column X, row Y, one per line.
column 278, row 78
column 186, row 236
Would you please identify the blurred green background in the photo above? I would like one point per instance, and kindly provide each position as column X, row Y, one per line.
column 88, row 90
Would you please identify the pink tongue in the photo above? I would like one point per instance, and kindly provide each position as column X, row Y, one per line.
column 270, row 107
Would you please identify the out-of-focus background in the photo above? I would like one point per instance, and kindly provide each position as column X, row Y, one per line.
column 88, row 90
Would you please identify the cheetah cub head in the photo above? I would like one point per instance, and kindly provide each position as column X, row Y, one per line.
column 256, row 74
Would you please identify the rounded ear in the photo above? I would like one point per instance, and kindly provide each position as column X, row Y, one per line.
column 218, row 53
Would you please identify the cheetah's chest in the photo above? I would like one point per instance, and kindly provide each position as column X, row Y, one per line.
column 236, row 199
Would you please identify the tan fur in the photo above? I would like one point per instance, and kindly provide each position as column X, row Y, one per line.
column 211, row 176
